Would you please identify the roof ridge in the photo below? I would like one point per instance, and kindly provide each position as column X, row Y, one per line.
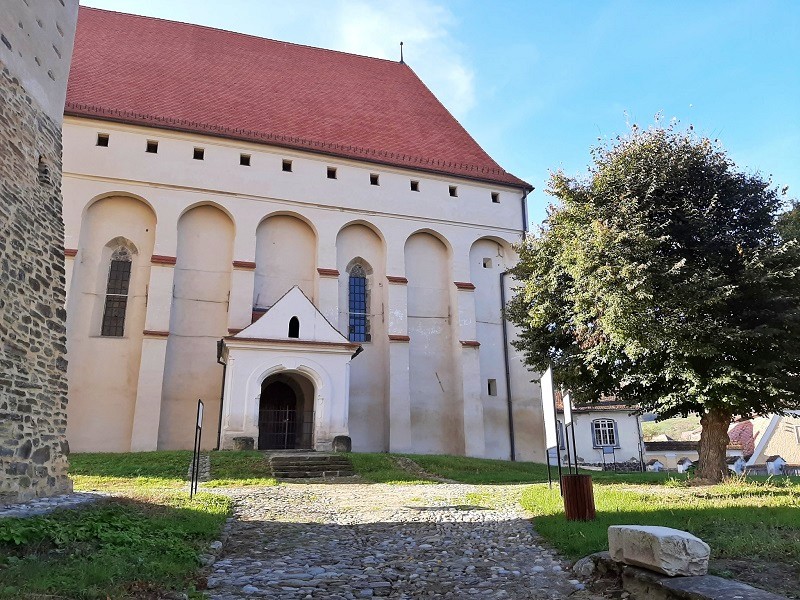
column 249, row 35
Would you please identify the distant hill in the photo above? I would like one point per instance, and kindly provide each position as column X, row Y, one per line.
column 678, row 428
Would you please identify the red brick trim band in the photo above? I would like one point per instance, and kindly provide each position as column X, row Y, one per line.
column 328, row 272
column 470, row 344
column 244, row 265
column 399, row 338
column 160, row 259
column 150, row 333
column 70, row 251
column 464, row 285
column 234, row 330
column 392, row 279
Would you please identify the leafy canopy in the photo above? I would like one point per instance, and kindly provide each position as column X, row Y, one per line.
column 662, row 279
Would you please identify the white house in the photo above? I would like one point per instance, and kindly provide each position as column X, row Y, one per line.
column 212, row 178
column 607, row 434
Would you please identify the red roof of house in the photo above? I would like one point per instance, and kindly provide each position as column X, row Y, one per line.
column 185, row 77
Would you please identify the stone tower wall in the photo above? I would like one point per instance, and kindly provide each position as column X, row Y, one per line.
column 35, row 48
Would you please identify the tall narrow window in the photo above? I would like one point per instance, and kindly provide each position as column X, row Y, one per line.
column 357, row 305
column 119, row 279
column 605, row 432
column 294, row 327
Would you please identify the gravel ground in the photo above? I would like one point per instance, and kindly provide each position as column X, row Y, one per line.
column 397, row 541
column 42, row 506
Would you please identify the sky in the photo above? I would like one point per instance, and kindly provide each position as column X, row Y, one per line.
column 538, row 84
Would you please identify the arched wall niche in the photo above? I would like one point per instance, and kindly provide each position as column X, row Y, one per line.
column 436, row 412
column 286, row 250
column 360, row 243
column 103, row 371
column 116, row 194
column 488, row 258
column 198, row 318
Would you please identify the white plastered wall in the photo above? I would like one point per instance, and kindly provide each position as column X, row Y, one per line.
column 316, row 209
column 627, row 448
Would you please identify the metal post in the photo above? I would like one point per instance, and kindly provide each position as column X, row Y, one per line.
column 574, row 448
column 569, row 454
column 198, row 435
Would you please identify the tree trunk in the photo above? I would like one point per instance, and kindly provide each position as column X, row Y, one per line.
column 713, row 445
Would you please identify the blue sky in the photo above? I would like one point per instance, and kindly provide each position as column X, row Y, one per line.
column 537, row 83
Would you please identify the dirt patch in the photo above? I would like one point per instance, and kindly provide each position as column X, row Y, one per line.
column 775, row 577
column 409, row 466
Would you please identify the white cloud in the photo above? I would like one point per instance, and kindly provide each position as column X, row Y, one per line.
column 430, row 49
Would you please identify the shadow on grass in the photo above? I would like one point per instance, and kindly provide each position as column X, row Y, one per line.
column 112, row 549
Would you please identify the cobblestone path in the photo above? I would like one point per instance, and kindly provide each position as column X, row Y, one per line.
column 396, row 541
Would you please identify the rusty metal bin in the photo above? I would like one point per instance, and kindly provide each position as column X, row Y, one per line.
column 578, row 497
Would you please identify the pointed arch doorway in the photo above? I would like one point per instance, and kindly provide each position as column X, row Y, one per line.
column 286, row 412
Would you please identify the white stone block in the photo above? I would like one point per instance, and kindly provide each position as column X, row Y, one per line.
column 661, row 549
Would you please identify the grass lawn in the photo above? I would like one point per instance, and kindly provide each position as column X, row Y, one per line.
column 145, row 539
column 753, row 527
column 116, row 548
column 381, row 468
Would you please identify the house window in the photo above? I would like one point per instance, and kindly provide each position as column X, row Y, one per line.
column 294, row 327
column 287, row 165
column 797, row 433
column 492, row 387
column 487, row 263
column 453, row 191
column 119, row 278
column 496, row 197
column 199, row 154
column 604, row 432
column 244, row 160
column 102, row 140
column 152, row 147
column 414, row 186
column 331, row 172
column 358, row 326
column 374, row 179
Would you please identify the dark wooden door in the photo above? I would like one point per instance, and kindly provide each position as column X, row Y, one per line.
column 277, row 417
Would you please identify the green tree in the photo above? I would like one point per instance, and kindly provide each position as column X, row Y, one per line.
column 789, row 222
column 662, row 280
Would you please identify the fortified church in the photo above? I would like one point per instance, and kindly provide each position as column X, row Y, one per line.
column 304, row 239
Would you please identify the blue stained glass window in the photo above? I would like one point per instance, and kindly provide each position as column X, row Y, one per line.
column 357, row 305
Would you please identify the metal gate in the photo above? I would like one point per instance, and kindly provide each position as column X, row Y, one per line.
column 277, row 427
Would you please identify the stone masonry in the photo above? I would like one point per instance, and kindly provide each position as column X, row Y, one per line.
column 35, row 46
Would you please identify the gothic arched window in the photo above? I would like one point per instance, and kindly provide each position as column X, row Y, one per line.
column 119, row 279
column 357, row 301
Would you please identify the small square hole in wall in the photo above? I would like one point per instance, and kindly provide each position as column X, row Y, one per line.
column 454, row 191
column 199, row 154
column 244, row 160
column 331, row 172
column 496, row 197
column 152, row 147
column 287, row 165
column 102, row 140
column 487, row 263
column 373, row 179
column 492, row 387
column 414, row 186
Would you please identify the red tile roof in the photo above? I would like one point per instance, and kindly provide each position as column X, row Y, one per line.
column 185, row 77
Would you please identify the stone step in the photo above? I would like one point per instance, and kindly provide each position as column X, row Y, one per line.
column 310, row 466
column 311, row 474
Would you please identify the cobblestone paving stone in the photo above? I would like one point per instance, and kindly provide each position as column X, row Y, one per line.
column 351, row 541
